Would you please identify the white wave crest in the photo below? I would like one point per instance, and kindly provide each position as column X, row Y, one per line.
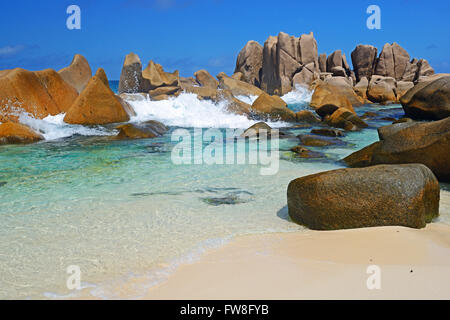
column 187, row 111
column 54, row 127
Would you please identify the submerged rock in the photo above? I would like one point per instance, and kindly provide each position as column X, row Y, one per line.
column 16, row 133
column 328, row 132
column 409, row 142
column 303, row 152
column 384, row 195
column 318, row 141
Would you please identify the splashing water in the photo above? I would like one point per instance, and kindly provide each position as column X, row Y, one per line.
column 186, row 110
column 54, row 127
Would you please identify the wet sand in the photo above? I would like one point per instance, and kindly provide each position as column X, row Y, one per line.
column 414, row 264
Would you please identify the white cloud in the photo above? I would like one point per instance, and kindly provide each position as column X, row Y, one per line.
column 10, row 50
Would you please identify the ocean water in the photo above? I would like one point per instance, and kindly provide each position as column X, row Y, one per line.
column 120, row 210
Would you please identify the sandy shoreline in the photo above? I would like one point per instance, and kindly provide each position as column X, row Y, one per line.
column 414, row 264
column 307, row 264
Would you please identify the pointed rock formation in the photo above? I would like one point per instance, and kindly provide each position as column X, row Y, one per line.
column 392, row 62
column 131, row 80
column 364, row 58
column 249, row 63
column 97, row 104
column 78, row 73
column 283, row 57
column 39, row 93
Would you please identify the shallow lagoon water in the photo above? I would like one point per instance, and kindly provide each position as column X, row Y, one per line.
column 122, row 209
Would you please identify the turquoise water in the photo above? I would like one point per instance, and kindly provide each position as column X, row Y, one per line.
column 123, row 209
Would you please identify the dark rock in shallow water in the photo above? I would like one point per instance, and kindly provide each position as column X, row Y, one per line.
column 409, row 142
column 328, row 132
column 2, row 183
column 383, row 195
column 235, row 197
column 318, row 141
column 149, row 129
column 369, row 114
column 303, row 152
column 401, row 120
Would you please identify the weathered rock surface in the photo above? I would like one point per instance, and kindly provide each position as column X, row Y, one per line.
column 237, row 87
column 307, row 116
column 409, row 142
column 249, row 63
column 382, row 89
column 363, row 59
column 39, row 93
column 97, row 104
column 78, row 73
column 273, row 108
column 131, row 80
column 428, row 100
column 303, row 152
column 255, row 130
column 345, row 119
column 328, row 132
column 157, row 77
column 16, row 133
column 150, row 129
column 385, row 195
column 283, row 57
column 205, row 79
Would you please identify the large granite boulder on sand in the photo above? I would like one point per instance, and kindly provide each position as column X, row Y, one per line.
column 39, row 93
column 428, row 100
column 15, row 133
column 131, row 80
column 273, row 108
column 409, row 142
column 78, row 73
column 384, row 195
column 249, row 63
column 97, row 104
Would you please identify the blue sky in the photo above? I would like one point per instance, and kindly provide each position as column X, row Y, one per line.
column 194, row 34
